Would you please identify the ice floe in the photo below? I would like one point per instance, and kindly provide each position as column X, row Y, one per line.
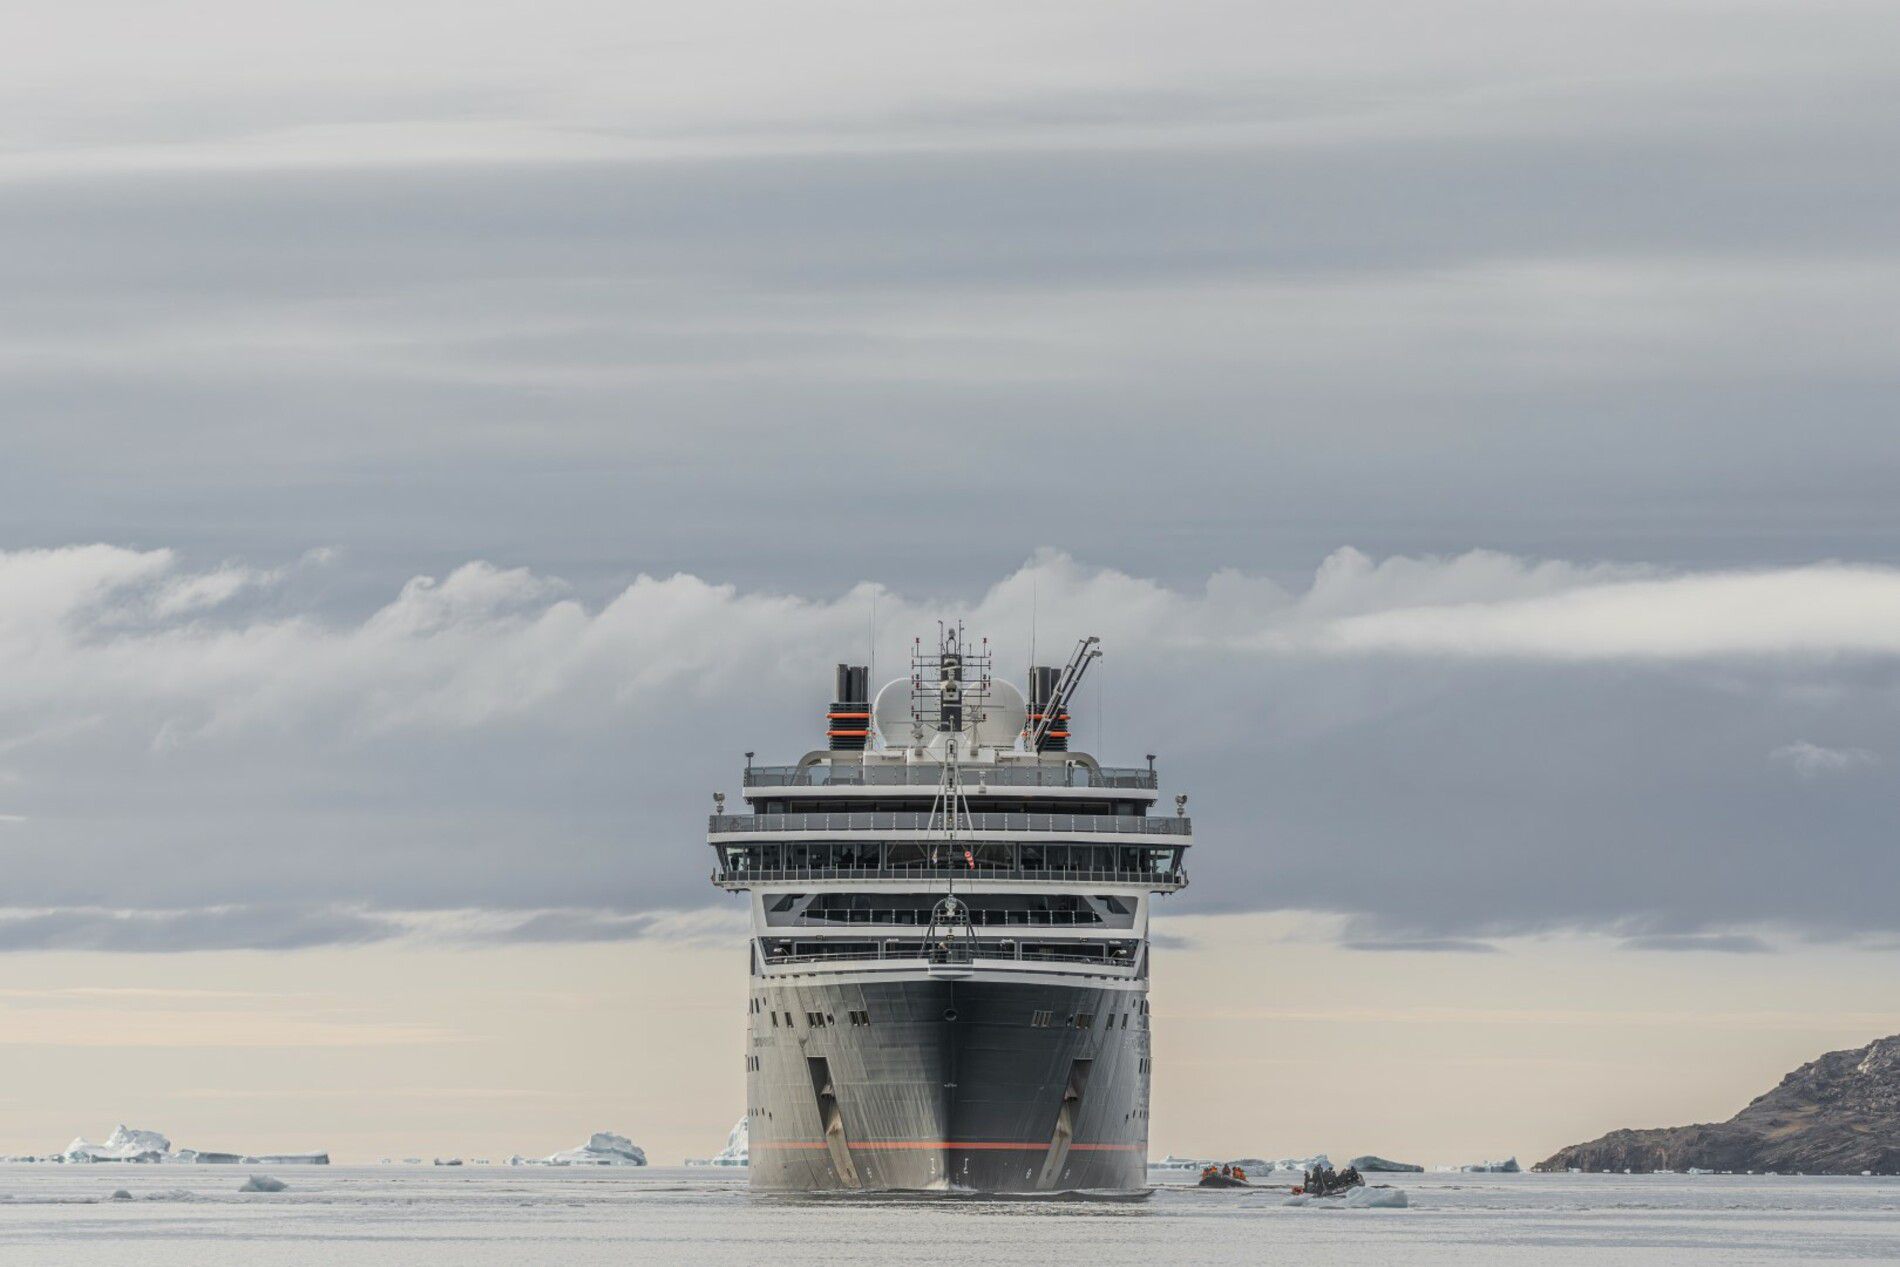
column 1508, row 1166
column 1357, row 1199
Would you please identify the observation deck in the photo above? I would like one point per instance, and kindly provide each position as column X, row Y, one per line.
column 831, row 773
column 723, row 827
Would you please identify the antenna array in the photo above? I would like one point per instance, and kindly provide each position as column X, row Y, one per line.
column 950, row 688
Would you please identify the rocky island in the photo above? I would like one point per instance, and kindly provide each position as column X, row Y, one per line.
column 1838, row 1115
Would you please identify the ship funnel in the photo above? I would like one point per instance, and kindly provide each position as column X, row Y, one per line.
column 1042, row 691
column 849, row 721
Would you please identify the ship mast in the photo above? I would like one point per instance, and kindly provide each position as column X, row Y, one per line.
column 951, row 691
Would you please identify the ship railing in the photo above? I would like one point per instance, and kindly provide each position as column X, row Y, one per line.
column 955, row 955
column 978, row 918
column 910, row 820
column 846, row 775
column 1156, row 880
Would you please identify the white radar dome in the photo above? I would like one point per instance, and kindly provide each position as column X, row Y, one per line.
column 1004, row 714
column 891, row 713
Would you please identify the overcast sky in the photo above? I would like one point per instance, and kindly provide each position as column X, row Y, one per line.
column 439, row 439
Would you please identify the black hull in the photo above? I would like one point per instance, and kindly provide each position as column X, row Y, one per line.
column 983, row 1085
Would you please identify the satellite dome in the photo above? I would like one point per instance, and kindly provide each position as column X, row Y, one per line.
column 1003, row 715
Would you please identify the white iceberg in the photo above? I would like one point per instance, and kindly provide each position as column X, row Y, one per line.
column 1508, row 1166
column 263, row 1183
column 603, row 1148
column 1372, row 1163
column 1377, row 1199
column 738, row 1149
column 1192, row 1165
column 124, row 1144
column 1303, row 1164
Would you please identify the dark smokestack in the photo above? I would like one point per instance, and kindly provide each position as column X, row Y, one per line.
column 849, row 721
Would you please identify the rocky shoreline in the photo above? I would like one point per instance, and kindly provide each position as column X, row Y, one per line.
column 1838, row 1115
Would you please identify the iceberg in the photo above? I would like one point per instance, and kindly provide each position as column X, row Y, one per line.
column 1508, row 1166
column 1193, row 1165
column 603, row 1148
column 124, row 1144
column 1303, row 1164
column 737, row 1151
column 263, row 1183
column 1371, row 1163
column 1377, row 1199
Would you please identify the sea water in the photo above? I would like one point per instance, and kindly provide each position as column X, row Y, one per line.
column 472, row 1216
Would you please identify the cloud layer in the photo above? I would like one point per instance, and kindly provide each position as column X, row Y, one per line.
column 1174, row 285
column 633, row 297
column 1440, row 749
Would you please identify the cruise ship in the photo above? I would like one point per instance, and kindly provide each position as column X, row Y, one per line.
column 949, row 938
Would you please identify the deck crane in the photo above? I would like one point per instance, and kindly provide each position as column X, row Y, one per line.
column 1057, row 705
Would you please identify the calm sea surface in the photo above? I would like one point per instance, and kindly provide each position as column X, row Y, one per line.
column 497, row 1214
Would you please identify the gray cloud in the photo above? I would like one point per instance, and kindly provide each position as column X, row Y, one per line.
column 1813, row 761
column 276, row 927
column 1721, row 943
column 610, row 314
column 1429, row 945
column 299, row 926
column 484, row 742
column 774, row 301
